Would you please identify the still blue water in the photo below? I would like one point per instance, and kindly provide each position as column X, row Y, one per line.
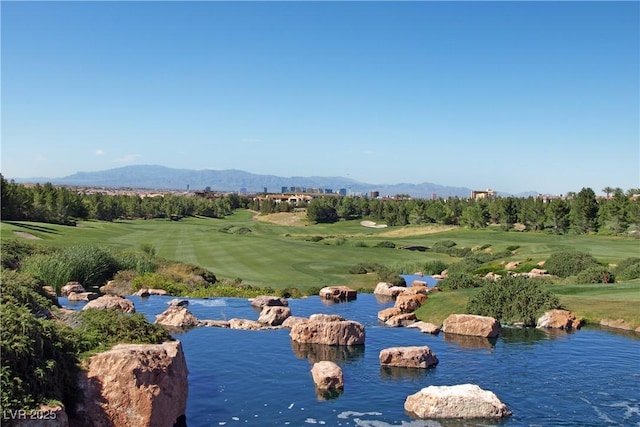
column 261, row 378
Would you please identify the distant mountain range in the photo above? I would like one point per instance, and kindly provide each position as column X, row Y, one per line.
column 160, row 177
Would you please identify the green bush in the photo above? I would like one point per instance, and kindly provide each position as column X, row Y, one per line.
column 569, row 263
column 485, row 269
column 434, row 267
column 595, row 274
column 13, row 252
column 513, row 300
column 460, row 281
column 25, row 290
column 513, row 248
column 242, row 230
column 159, row 281
column 458, row 252
column 386, row 244
column 358, row 269
column 466, row 265
column 289, row 293
column 442, row 246
column 315, row 238
column 628, row 269
column 140, row 262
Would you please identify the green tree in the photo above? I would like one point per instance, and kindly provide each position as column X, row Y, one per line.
column 584, row 212
column 473, row 217
column 557, row 212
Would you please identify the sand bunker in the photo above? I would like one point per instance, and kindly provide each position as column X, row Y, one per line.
column 26, row 235
column 372, row 224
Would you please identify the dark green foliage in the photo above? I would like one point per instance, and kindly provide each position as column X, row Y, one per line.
column 491, row 268
column 12, row 252
column 569, row 263
column 513, row 248
column 390, row 275
column 458, row 252
column 434, row 267
column 242, row 230
column 290, row 293
column 386, row 244
column 442, row 246
column 315, row 238
column 363, row 268
column 99, row 330
column 513, row 300
column 460, row 280
column 140, row 262
column 25, row 290
column 628, row 269
column 159, row 281
column 595, row 274
column 466, row 265
column 314, row 290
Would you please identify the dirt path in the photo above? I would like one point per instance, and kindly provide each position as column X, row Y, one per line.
column 26, row 235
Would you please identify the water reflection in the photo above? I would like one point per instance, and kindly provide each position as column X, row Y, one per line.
column 398, row 373
column 384, row 299
column 527, row 336
column 327, row 394
column 319, row 352
column 467, row 341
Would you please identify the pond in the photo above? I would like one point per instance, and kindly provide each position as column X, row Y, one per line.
column 261, row 378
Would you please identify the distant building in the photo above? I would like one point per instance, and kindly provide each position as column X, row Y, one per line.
column 483, row 194
column 374, row 194
column 342, row 191
column 434, row 196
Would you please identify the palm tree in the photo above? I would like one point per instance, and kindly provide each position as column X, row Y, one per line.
column 608, row 191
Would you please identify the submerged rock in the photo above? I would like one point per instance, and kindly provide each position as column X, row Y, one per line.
column 458, row 401
column 425, row 327
column 111, row 301
column 266, row 300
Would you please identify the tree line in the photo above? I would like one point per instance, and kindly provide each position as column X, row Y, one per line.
column 61, row 205
column 579, row 213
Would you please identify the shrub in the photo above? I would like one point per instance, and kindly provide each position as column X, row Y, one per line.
column 159, row 281
column 595, row 274
column 434, row 267
column 442, row 246
column 460, row 281
column 13, row 252
column 389, row 275
column 242, row 230
column 358, row 269
column 140, row 262
column 513, row 300
column 513, row 248
column 569, row 263
column 315, row 238
column 386, row 244
column 466, row 265
column 628, row 269
column 458, row 252
column 289, row 293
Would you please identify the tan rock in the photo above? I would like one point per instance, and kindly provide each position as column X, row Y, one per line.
column 388, row 313
column 177, row 302
column 161, row 292
column 416, row 290
column 425, row 327
column 404, row 319
column 618, row 324
column 293, row 320
column 469, row 324
column 246, row 324
column 142, row 292
column 512, row 265
column 338, row 293
column 274, row 315
column 492, row 276
column 121, row 288
column 327, row 317
column 408, row 357
column 71, row 287
column 82, row 296
column 459, row 401
column 419, row 283
column 327, row 375
column 214, row 323
column 559, row 319
column 49, row 290
column 141, row 385
column 345, row 332
column 537, row 272
column 111, row 301
column 266, row 300
column 409, row 303
column 388, row 289
column 176, row 317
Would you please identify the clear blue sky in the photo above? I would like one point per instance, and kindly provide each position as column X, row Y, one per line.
column 512, row 96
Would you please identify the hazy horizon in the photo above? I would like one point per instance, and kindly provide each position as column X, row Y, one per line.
column 515, row 96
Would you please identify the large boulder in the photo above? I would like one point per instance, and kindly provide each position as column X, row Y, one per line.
column 327, row 375
column 404, row 319
column 408, row 357
column 458, row 401
column 409, row 303
column 338, row 293
column 82, row 296
column 470, row 324
column 111, row 301
column 388, row 289
column 425, row 327
column 293, row 320
column 559, row 319
column 388, row 313
column 343, row 332
column 274, row 315
column 177, row 317
column 266, row 300
column 245, row 324
column 326, row 317
column 136, row 385
column 71, row 287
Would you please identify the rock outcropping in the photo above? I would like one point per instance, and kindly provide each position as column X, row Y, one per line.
column 459, row 401
column 558, row 319
column 338, row 293
column 136, row 385
column 425, row 327
column 71, row 287
column 177, row 317
column 469, row 324
column 342, row 332
column 408, row 357
column 327, row 375
column 266, row 300
column 388, row 289
column 111, row 301
column 274, row 315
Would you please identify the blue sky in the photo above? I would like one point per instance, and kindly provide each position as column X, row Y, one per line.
column 513, row 96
